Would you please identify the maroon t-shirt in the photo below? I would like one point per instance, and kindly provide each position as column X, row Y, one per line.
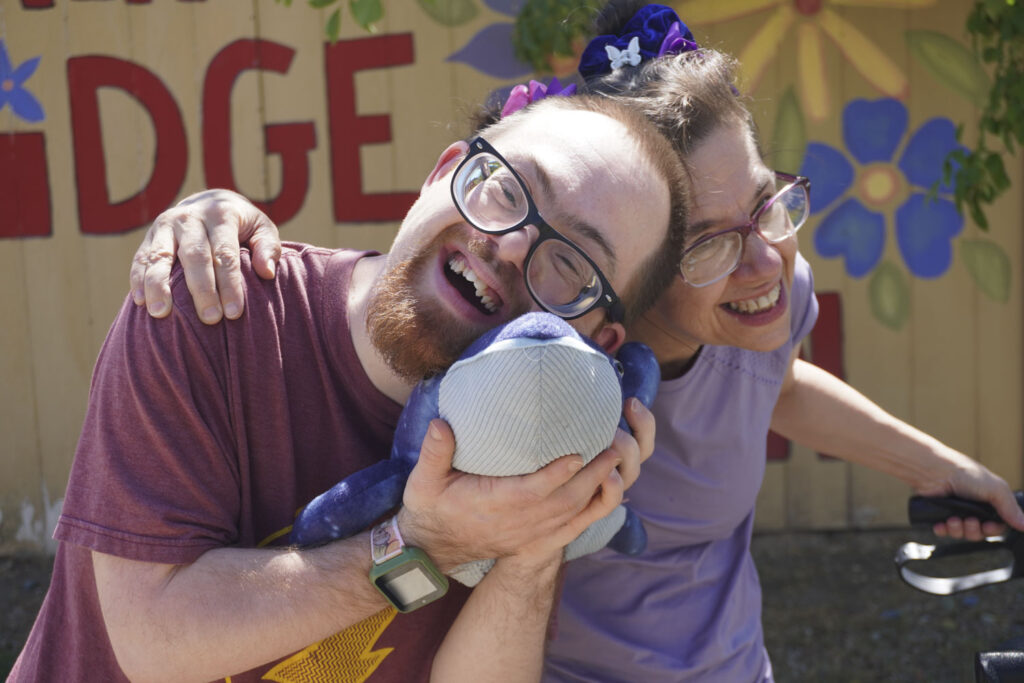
column 200, row 437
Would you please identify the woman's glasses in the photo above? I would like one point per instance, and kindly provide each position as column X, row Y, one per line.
column 714, row 256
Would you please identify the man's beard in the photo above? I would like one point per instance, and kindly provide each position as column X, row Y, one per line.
column 415, row 336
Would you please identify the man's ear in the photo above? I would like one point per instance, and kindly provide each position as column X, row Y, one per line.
column 448, row 160
column 610, row 337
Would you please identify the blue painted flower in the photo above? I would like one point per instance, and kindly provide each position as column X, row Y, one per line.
column 860, row 196
column 12, row 88
column 491, row 50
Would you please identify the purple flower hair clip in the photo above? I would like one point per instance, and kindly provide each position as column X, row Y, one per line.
column 522, row 95
column 654, row 31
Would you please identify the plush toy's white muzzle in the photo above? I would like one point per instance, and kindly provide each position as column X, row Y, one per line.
column 523, row 403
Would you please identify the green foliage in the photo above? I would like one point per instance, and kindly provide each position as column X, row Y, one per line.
column 989, row 267
column 549, row 27
column 450, row 12
column 997, row 34
column 365, row 12
column 889, row 295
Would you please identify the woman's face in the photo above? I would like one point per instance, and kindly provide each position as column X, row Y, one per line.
column 749, row 308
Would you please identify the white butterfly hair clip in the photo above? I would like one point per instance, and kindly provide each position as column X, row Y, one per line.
column 620, row 58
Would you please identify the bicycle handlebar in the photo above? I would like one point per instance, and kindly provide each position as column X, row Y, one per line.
column 923, row 510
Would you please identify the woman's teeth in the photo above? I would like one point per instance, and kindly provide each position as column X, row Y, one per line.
column 758, row 305
column 487, row 297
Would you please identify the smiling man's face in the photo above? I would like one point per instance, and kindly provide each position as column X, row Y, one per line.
column 446, row 283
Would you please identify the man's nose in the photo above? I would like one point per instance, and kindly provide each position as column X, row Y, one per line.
column 514, row 246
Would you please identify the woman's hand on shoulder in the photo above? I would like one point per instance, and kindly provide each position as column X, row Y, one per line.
column 204, row 230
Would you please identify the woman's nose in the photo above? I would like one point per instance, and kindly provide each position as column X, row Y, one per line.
column 759, row 258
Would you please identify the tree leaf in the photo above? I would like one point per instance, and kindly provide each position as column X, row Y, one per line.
column 989, row 267
column 333, row 27
column 450, row 12
column 320, row 4
column 366, row 12
column 790, row 135
column 889, row 295
column 952, row 63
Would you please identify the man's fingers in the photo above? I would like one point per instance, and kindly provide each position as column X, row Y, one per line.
column 435, row 462
column 601, row 504
column 576, row 493
column 548, row 479
column 642, row 422
column 627, row 450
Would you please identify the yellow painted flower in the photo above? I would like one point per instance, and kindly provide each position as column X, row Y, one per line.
column 807, row 20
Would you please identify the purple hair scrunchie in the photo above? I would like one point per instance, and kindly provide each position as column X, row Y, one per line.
column 522, row 95
column 657, row 31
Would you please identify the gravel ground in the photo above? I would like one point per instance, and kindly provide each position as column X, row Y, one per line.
column 834, row 611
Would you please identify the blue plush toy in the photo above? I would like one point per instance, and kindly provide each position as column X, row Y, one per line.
column 521, row 396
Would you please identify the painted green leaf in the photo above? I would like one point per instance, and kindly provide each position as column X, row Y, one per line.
column 366, row 12
column 889, row 295
column 952, row 63
column 333, row 27
column 790, row 135
column 450, row 12
column 320, row 4
column 989, row 267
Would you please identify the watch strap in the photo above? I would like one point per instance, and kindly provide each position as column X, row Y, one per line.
column 386, row 541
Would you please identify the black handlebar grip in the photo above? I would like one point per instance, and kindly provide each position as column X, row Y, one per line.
column 922, row 510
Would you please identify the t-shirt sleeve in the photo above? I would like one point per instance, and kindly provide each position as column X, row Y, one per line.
column 804, row 302
column 155, row 476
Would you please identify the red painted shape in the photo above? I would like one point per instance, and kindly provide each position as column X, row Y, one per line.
column 96, row 214
column 826, row 353
column 777, row 447
column 46, row 4
column 827, row 335
column 292, row 140
column 350, row 131
column 24, row 186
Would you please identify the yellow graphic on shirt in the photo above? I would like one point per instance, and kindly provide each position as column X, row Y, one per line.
column 344, row 657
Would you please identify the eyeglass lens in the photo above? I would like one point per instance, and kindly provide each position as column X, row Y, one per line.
column 493, row 200
column 718, row 256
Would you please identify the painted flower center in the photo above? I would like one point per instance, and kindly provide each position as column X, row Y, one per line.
column 878, row 185
column 808, row 7
column 7, row 85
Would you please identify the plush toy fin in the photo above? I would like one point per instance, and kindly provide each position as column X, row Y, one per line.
column 351, row 505
column 631, row 538
column 640, row 375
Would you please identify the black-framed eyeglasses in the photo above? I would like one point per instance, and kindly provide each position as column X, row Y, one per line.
column 560, row 276
column 715, row 256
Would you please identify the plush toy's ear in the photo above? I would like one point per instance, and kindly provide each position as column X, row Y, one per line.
column 448, row 160
column 610, row 337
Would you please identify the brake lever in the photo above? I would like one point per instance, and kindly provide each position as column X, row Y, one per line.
column 929, row 511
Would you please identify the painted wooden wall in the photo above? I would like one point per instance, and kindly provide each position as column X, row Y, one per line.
column 110, row 111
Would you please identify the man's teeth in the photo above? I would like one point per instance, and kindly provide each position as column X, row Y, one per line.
column 761, row 303
column 458, row 265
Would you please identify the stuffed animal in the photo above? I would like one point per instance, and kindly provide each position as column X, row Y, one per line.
column 519, row 397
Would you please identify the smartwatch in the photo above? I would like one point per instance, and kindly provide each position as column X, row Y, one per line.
column 405, row 576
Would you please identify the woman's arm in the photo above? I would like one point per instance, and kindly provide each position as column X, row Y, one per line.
column 825, row 413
